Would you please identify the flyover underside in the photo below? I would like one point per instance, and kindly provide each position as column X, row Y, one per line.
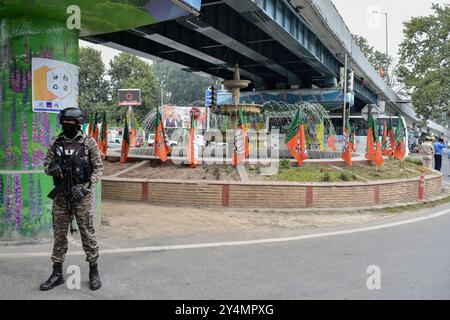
column 228, row 32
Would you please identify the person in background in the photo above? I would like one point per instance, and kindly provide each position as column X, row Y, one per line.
column 427, row 152
column 179, row 121
column 170, row 121
column 439, row 147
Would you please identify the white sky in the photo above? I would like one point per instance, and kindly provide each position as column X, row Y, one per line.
column 358, row 16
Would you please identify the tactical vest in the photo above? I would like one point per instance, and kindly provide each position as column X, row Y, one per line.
column 73, row 157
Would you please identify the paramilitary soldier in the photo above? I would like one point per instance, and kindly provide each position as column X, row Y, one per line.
column 74, row 161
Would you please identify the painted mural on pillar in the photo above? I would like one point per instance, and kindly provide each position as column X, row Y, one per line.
column 25, row 210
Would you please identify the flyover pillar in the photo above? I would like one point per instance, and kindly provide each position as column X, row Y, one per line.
column 25, row 210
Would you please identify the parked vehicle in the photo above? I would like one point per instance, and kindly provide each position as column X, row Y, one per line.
column 114, row 143
column 151, row 141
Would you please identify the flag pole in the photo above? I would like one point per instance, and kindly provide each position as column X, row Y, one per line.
column 345, row 98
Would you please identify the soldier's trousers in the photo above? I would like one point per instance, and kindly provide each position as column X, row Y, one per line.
column 82, row 211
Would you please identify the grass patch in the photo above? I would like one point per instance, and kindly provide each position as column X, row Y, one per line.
column 313, row 174
column 392, row 169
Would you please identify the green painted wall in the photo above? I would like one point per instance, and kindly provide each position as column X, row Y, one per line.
column 25, row 210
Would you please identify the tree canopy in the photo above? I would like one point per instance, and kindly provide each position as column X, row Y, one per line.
column 424, row 62
column 183, row 87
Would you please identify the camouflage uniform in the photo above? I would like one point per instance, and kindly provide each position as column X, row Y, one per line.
column 82, row 209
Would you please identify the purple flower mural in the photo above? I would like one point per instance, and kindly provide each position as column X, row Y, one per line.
column 8, row 203
column 46, row 141
column 24, row 139
column 17, row 202
column 8, row 147
column 31, row 195
column 39, row 198
column 35, row 160
column 35, row 128
column 2, row 200
column 4, row 85
column 14, row 114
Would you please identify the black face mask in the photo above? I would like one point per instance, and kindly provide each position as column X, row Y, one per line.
column 70, row 130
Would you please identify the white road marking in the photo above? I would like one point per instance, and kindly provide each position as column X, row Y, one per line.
column 233, row 243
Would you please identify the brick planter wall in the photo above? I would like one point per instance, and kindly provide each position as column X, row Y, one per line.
column 269, row 194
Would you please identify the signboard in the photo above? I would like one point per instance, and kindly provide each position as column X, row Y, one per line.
column 130, row 97
column 179, row 117
column 194, row 4
column 224, row 97
column 55, row 85
column 209, row 98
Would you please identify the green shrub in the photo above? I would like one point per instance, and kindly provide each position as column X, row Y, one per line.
column 326, row 175
column 347, row 176
column 285, row 164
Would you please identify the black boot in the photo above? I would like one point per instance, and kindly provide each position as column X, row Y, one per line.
column 56, row 278
column 94, row 278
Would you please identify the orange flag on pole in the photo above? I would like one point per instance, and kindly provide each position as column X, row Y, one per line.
column 241, row 147
column 295, row 140
column 162, row 150
column 125, row 143
column 400, row 140
column 330, row 140
column 348, row 144
column 192, row 145
column 104, row 137
column 370, row 149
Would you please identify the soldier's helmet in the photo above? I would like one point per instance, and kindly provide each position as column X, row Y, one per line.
column 71, row 114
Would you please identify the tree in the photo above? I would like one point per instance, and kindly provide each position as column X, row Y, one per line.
column 378, row 61
column 424, row 61
column 183, row 87
column 93, row 88
column 128, row 71
column 376, row 58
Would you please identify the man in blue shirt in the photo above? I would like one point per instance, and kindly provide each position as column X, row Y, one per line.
column 439, row 146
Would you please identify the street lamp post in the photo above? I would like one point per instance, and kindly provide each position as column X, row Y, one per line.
column 387, row 43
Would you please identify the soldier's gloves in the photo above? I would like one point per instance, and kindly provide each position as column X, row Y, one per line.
column 55, row 170
column 78, row 193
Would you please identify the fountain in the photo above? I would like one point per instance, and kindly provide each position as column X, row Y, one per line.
column 235, row 86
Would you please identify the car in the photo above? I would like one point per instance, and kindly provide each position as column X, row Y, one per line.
column 151, row 141
column 114, row 144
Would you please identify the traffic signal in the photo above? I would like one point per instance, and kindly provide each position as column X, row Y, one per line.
column 213, row 95
column 350, row 78
column 347, row 79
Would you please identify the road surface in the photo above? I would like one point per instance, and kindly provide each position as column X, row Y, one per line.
column 413, row 260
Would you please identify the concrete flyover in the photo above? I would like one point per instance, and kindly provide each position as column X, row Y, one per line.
column 282, row 195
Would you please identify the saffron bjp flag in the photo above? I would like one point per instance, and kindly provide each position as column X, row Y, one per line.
column 162, row 150
column 295, row 140
column 348, row 145
column 103, row 145
column 400, row 140
column 330, row 140
column 125, row 143
column 370, row 148
column 391, row 139
column 192, row 146
column 385, row 141
column 241, row 147
column 353, row 139
column 378, row 152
